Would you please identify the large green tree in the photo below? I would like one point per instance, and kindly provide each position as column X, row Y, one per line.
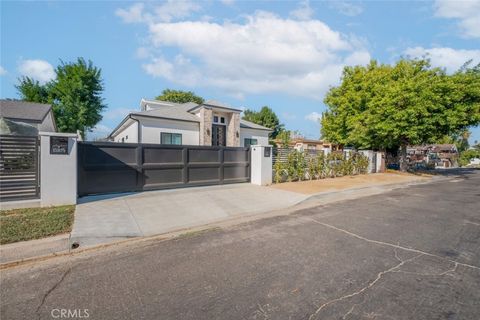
column 75, row 95
column 265, row 117
column 179, row 96
column 31, row 90
column 383, row 106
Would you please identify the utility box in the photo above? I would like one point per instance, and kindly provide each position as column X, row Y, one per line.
column 261, row 165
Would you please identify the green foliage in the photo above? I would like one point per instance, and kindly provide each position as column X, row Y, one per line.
column 285, row 138
column 32, row 90
column 380, row 106
column 468, row 155
column 301, row 166
column 179, row 96
column 75, row 95
column 265, row 117
column 34, row 223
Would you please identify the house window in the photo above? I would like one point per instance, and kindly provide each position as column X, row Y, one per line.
column 222, row 120
column 126, row 137
column 170, row 138
column 215, row 119
column 249, row 142
column 123, row 139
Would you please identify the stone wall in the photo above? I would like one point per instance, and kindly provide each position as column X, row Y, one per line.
column 233, row 131
column 205, row 127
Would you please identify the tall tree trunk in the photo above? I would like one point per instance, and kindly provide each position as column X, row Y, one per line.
column 403, row 156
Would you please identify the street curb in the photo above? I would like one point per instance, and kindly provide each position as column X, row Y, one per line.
column 302, row 204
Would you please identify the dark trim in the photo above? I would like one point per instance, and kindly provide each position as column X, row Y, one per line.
column 213, row 106
column 166, row 118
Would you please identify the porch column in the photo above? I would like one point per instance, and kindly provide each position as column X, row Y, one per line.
column 233, row 131
column 205, row 127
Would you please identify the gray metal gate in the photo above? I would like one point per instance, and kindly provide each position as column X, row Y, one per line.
column 106, row 167
column 19, row 168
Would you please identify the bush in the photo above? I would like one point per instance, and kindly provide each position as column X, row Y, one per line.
column 300, row 166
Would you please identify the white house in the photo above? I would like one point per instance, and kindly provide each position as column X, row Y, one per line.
column 208, row 124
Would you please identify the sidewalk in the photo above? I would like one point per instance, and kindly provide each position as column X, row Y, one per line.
column 108, row 219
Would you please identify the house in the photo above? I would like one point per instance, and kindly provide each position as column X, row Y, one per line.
column 209, row 124
column 38, row 115
column 303, row 144
column 434, row 155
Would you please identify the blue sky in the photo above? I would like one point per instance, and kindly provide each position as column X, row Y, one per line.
column 248, row 54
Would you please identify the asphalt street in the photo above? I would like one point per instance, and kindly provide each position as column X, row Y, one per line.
column 411, row 253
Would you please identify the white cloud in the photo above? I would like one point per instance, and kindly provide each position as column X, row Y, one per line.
column 314, row 116
column 2, row 71
column 134, row 14
column 265, row 53
column 166, row 12
column 39, row 70
column 304, row 12
column 98, row 132
column 448, row 58
column 467, row 12
column 346, row 8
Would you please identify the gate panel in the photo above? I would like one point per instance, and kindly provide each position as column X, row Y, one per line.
column 121, row 167
column 19, row 168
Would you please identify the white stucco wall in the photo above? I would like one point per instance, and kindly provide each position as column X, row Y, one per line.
column 260, row 135
column 58, row 172
column 261, row 173
column 130, row 132
column 151, row 129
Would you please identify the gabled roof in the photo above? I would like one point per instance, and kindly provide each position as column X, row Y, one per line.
column 178, row 112
column 251, row 125
column 23, row 110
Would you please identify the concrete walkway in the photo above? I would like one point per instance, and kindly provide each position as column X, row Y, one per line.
column 102, row 219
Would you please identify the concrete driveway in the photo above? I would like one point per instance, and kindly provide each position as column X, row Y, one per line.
column 101, row 219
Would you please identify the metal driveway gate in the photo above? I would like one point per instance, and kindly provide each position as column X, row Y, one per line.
column 105, row 167
column 19, row 168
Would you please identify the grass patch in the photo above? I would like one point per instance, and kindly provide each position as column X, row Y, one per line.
column 34, row 223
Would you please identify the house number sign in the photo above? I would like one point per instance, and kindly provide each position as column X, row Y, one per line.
column 58, row 145
column 267, row 152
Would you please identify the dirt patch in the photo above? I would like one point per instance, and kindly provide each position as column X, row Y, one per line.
column 342, row 183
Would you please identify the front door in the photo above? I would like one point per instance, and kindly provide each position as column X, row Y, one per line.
column 219, row 137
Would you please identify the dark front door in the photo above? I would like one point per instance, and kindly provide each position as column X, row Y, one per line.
column 219, row 138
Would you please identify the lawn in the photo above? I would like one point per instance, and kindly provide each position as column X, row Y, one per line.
column 34, row 223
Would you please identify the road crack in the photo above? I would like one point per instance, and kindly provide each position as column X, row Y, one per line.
column 55, row 286
column 368, row 286
column 392, row 245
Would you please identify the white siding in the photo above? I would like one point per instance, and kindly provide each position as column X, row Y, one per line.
column 151, row 129
column 260, row 135
column 129, row 134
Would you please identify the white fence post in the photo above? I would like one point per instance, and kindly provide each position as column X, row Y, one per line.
column 58, row 168
column 261, row 165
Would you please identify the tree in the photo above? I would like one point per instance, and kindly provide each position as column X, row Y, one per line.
column 32, row 90
column 75, row 95
column 265, row 117
column 380, row 106
column 459, row 139
column 179, row 96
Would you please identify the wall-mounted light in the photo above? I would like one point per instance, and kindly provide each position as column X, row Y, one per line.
column 208, row 131
column 237, row 134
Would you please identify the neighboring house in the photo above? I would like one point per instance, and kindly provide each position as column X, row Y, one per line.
column 38, row 115
column 209, row 124
column 304, row 144
column 434, row 155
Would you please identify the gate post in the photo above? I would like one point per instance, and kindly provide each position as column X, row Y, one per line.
column 261, row 165
column 58, row 168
